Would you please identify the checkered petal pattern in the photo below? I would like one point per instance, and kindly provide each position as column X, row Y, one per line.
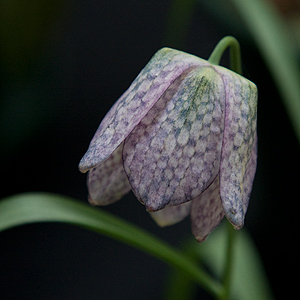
column 107, row 183
column 207, row 211
column 183, row 139
column 174, row 153
column 165, row 66
column 239, row 150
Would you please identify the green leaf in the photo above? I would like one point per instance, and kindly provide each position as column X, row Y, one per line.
column 41, row 207
column 248, row 279
column 273, row 38
column 261, row 20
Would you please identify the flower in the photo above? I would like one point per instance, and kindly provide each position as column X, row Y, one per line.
column 183, row 139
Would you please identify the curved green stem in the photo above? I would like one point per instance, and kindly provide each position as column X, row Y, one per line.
column 235, row 53
column 236, row 66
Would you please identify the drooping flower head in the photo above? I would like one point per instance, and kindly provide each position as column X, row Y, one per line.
column 183, row 139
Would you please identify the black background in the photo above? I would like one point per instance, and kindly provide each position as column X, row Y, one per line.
column 53, row 98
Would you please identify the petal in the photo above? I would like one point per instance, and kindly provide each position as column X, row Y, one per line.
column 239, row 151
column 172, row 214
column 249, row 175
column 107, row 183
column 165, row 66
column 207, row 211
column 174, row 153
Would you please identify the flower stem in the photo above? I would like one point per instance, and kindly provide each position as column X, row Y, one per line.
column 236, row 66
column 235, row 53
column 227, row 275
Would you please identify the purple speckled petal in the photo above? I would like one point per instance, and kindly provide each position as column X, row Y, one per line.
column 239, row 151
column 207, row 211
column 165, row 66
column 171, row 214
column 107, row 183
column 174, row 153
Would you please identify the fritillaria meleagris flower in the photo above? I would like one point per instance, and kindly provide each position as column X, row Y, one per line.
column 183, row 139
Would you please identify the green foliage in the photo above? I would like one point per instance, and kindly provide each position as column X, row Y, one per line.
column 248, row 277
column 272, row 36
column 41, row 207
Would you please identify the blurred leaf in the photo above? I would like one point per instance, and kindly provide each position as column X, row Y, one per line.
column 279, row 50
column 248, row 279
column 274, row 39
column 40, row 207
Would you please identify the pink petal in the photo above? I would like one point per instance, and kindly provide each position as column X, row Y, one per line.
column 239, row 151
column 107, row 183
column 174, row 153
column 171, row 214
column 207, row 211
column 165, row 66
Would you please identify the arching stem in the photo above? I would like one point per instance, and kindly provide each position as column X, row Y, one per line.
column 235, row 53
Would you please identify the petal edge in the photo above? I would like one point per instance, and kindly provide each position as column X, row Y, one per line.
column 164, row 67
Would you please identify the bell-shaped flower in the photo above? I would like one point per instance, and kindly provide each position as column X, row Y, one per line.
column 183, row 139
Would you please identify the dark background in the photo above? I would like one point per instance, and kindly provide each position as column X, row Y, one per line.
column 63, row 65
